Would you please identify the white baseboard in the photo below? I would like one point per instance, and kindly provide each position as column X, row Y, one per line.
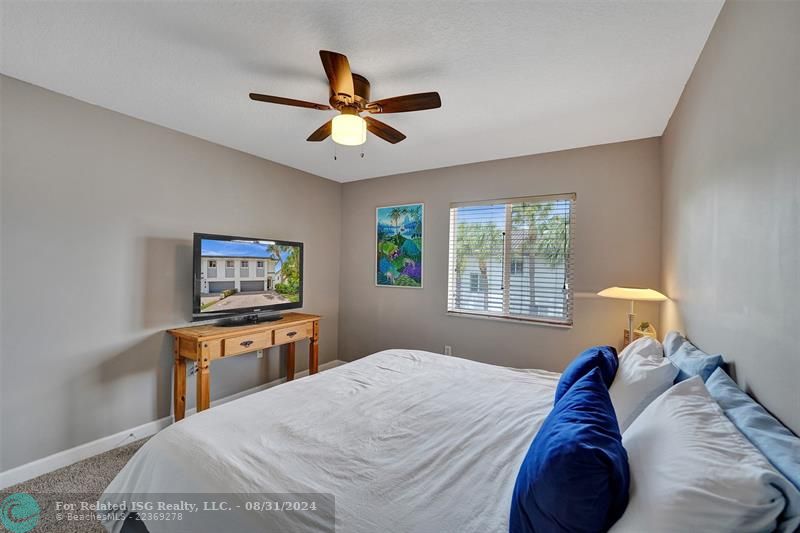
column 84, row 451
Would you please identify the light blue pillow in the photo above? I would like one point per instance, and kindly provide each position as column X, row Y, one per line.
column 672, row 341
column 692, row 361
column 772, row 438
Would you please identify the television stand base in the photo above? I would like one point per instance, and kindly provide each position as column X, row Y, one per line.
column 248, row 320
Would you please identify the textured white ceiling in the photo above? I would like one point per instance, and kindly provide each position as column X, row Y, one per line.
column 515, row 78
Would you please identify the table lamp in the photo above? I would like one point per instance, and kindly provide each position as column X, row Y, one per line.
column 633, row 294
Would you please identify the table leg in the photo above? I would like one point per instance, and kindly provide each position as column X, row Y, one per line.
column 179, row 389
column 203, row 383
column 290, row 361
column 313, row 350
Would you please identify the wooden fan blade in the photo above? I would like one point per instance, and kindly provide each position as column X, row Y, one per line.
column 288, row 101
column 403, row 104
column 322, row 133
column 337, row 68
column 384, row 131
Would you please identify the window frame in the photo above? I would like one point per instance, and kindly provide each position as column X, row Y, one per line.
column 569, row 264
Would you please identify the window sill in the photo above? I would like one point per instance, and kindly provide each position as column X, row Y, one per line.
column 523, row 321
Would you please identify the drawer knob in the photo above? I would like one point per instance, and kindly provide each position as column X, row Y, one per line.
column 291, row 334
column 245, row 343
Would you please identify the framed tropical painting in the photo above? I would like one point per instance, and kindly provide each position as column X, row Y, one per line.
column 398, row 230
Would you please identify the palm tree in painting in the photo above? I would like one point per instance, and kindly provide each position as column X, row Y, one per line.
column 396, row 214
column 541, row 235
column 416, row 216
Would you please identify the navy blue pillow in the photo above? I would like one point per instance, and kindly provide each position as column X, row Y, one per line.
column 575, row 475
column 602, row 357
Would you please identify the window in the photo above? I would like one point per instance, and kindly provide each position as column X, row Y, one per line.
column 475, row 284
column 517, row 265
column 245, row 264
column 259, row 264
column 228, row 264
column 212, row 264
column 512, row 258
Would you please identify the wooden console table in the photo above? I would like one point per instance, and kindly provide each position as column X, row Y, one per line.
column 204, row 344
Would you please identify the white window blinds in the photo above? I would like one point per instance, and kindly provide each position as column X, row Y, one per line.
column 513, row 258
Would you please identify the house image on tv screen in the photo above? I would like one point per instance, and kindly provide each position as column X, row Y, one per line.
column 244, row 274
column 237, row 275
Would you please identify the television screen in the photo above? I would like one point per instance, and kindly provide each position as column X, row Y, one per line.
column 236, row 275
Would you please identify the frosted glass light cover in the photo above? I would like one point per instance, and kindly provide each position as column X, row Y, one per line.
column 349, row 130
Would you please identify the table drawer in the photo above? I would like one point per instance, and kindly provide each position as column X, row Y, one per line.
column 246, row 343
column 285, row 335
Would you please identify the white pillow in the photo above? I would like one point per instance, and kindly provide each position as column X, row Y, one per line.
column 691, row 470
column 644, row 373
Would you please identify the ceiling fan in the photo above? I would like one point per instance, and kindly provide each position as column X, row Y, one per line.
column 349, row 96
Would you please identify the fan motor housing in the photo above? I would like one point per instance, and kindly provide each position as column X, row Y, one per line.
column 361, row 98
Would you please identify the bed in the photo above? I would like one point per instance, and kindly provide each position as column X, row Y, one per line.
column 656, row 438
column 399, row 437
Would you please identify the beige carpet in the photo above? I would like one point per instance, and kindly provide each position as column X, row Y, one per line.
column 82, row 481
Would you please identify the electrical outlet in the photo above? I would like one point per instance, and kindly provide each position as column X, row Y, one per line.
column 260, row 354
column 448, row 350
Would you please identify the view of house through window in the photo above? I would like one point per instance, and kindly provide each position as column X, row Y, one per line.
column 512, row 258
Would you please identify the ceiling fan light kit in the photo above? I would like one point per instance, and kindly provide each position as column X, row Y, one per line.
column 350, row 96
column 349, row 129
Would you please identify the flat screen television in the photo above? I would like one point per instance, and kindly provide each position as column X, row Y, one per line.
column 245, row 276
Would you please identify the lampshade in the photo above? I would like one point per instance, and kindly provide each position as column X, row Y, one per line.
column 349, row 129
column 632, row 293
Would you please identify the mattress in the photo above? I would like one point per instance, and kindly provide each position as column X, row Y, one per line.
column 403, row 440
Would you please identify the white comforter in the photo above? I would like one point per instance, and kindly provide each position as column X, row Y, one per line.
column 406, row 441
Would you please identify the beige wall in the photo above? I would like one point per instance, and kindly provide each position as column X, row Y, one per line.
column 731, row 201
column 98, row 211
column 617, row 242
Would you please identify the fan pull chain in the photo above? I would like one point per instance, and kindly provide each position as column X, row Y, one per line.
column 336, row 153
